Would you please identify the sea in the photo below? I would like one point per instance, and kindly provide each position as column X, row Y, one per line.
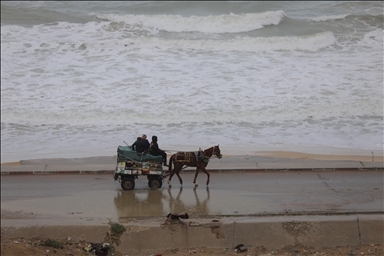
column 79, row 78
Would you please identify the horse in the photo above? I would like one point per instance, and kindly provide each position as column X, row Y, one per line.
column 197, row 159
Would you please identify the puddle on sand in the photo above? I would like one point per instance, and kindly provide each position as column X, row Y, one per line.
column 199, row 202
column 116, row 204
column 75, row 205
column 85, row 197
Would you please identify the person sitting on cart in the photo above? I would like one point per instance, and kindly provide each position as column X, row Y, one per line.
column 145, row 143
column 138, row 145
column 156, row 151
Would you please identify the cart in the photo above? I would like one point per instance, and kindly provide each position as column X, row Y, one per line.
column 131, row 164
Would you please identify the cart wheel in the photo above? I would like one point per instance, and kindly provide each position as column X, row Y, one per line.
column 128, row 183
column 155, row 183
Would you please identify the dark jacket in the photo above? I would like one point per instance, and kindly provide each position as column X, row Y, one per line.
column 138, row 145
column 154, row 149
column 146, row 145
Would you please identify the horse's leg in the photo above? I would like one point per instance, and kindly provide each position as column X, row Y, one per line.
column 170, row 170
column 170, row 177
column 206, row 172
column 178, row 175
column 196, row 173
column 177, row 170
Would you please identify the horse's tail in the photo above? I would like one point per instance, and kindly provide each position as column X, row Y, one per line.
column 170, row 164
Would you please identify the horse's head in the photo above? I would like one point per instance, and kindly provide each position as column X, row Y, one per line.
column 216, row 152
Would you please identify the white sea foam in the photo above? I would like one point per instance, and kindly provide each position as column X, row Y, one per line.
column 59, row 96
column 225, row 23
column 332, row 17
column 55, row 41
column 373, row 39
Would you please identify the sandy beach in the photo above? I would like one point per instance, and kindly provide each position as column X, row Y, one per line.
column 303, row 153
column 378, row 157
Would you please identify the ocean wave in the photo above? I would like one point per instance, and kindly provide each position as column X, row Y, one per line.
column 305, row 43
column 376, row 35
column 28, row 16
column 311, row 43
column 373, row 7
column 225, row 23
column 219, row 111
column 372, row 39
column 367, row 19
column 332, row 17
column 193, row 71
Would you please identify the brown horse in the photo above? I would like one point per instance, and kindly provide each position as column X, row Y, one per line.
column 197, row 159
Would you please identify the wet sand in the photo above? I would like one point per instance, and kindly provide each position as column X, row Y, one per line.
column 246, row 193
column 98, row 197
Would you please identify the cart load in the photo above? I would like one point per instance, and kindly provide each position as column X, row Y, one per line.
column 126, row 153
column 131, row 164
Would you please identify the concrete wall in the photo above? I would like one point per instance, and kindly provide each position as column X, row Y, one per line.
column 271, row 232
column 86, row 233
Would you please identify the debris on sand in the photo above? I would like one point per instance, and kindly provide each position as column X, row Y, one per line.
column 98, row 249
column 173, row 216
column 240, row 248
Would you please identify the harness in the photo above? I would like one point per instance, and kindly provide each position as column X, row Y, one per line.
column 199, row 155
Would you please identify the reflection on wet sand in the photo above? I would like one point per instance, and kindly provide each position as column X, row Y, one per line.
column 139, row 203
column 154, row 203
column 177, row 205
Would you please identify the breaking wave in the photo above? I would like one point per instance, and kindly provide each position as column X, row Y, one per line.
column 225, row 23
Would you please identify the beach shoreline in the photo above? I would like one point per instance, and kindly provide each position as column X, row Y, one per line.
column 313, row 153
column 329, row 157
